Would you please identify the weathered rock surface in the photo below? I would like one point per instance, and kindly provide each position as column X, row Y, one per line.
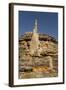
column 38, row 66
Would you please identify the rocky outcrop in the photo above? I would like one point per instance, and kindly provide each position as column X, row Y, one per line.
column 43, row 65
column 44, row 37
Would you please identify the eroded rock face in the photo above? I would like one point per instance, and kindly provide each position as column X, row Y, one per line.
column 43, row 63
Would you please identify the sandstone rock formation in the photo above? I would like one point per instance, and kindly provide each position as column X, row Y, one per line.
column 43, row 65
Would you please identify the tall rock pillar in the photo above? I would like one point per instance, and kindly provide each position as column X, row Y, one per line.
column 34, row 45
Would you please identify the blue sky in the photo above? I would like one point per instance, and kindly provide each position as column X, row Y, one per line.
column 47, row 22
